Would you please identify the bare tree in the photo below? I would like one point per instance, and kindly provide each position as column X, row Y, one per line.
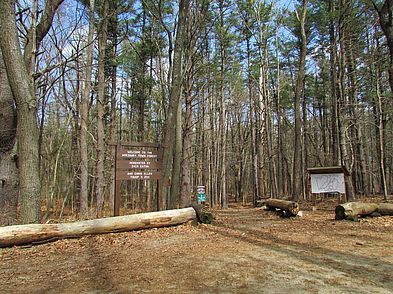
column 299, row 91
column 84, row 116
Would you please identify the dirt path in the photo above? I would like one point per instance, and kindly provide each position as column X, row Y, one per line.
column 244, row 251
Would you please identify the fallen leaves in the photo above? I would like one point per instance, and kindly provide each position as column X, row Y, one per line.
column 150, row 259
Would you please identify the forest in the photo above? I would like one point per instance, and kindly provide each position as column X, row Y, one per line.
column 243, row 96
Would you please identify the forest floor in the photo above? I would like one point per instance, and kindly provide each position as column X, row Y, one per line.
column 244, row 250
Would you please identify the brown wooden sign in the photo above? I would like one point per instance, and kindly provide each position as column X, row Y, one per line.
column 137, row 161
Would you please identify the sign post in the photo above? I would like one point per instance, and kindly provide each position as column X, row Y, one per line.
column 201, row 195
column 137, row 161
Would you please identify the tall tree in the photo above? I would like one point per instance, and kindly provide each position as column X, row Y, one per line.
column 100, row 106
column 20, row 72
column 26, row 105
column 299, row 91
column 84, row 116
column 174, row 100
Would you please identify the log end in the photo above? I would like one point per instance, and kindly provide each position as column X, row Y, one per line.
column 295, row 209
column 340, row 212
column 206, row 218
column 203, row 217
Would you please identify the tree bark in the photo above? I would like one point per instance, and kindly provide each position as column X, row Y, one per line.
column 223, row 197
column 8, row 155
column 297, row 158
column 385, row 208
column 177, row 79
column 174, row 198
column 84, row 117
column 40, row 233
column 100, row 105
column 185, row 197
column 381, row 145
column 26, row 104
column 334, row 147
column 114, row 22
column 343, row 103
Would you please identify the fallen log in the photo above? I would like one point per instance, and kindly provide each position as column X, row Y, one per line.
column 385, row 208
column 203, row 216
column 352, row 210
column 40, row 233
column 290, row 207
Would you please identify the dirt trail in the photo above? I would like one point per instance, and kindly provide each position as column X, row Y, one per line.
column 245, row 250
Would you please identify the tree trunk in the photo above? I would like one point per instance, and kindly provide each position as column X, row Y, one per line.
column 84, row 119
column 177, row 79
column 280, row 151
column 261, row 135
column 40, row 233
column 113, row 109
column 333, row 85
column 101, row 102
column 185, row 197
column 297, row 158
column 8, row 155
column 26, row 104
column 221, row 164
column 177, row 157
column 381, row 145
column 343, row 103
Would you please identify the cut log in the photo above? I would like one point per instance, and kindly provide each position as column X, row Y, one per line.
column 385, row 208
column 289, row 206
column 203, row 216
column 40, row 233
column 352, row 210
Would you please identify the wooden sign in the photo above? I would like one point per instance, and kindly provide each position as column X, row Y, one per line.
column 137, row 161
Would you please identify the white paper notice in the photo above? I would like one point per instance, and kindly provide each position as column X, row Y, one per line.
column 327, row 183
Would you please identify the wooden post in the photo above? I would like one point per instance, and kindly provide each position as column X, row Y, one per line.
column 116, row 204
column 314, row 202
column 159, row 195
column 346, row 189
column 117, row 198
column 313, row 196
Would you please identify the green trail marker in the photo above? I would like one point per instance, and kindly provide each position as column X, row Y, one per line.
column 201, row 195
